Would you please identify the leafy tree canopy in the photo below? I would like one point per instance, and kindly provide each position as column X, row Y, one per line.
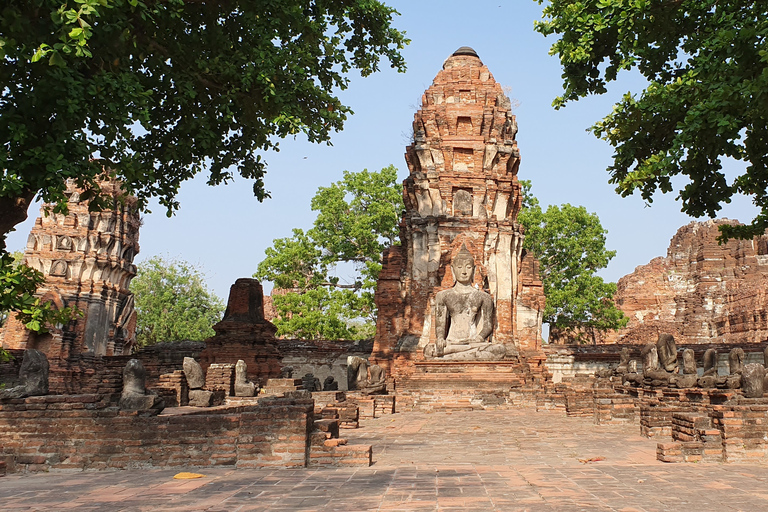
column 173, row 302
column 357, row 219
column 570, row 245
column 706, row 63
column 154, row 91
column 13, row 261
column 18, row 284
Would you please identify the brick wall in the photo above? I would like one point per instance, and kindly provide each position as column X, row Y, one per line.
column 87, row 374
column 734, row 432
column 322, row 358
column 744, row 429
column 88, row 432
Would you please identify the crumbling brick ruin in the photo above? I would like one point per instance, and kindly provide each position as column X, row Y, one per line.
column 83, row 422
column 701, row 292
column 245, row 399
column 462, row 199
column 87, row 260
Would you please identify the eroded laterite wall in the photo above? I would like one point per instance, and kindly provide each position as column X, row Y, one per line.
column 87, row 259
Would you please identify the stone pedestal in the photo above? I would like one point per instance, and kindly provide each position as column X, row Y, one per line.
column 456, row 385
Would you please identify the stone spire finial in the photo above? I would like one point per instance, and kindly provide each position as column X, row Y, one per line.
column 465, row 50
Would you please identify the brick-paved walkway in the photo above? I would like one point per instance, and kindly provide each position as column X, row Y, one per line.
column 495, row 460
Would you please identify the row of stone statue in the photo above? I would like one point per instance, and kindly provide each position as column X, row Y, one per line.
column 361, row 376
column 136, row 397
column 33, row 381
column 661, row 369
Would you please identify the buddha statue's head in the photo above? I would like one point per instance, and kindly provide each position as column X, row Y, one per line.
column 463, row 265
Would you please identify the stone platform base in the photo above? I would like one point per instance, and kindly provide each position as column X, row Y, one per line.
column 485, row 375
column 466, row 385
column 452, row 400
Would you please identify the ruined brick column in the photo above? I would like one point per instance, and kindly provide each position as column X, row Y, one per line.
column 87, row 260
column 462, row 190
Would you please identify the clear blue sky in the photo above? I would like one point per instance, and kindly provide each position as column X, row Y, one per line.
column 225, row 230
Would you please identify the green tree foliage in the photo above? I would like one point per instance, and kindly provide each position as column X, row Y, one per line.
column 173, row 303
column 15, row 260
column 570, row 245
column 706, row 63
column 156, row 90
column 357, row 219
column 17, row 294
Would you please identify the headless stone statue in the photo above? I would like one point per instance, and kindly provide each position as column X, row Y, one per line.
column 364, row 378
column 194, row 373
column 354, row 373
column 709, row 378
column 623, row 362
column 736, row 361
column 753, row 380
column 736, row 368
column 330, row 384
column 709, row 362
column 311, row 383
column 243, row 387
column 689, row 362
column 135, row 396
column 198, row 397
column 33, row 376
column 34, row 373
column 652, row 374
column 632, row 377
column 689, row 378
column 463, row 318
column 667, row 350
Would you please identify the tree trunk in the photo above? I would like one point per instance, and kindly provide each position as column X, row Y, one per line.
column 13, row 211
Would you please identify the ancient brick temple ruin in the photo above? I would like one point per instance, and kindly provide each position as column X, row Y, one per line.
column 701, row 292
column 87, row 260
column 462, row 193
column 459, row 327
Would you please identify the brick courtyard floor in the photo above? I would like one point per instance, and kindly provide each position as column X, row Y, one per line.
column 475, row 461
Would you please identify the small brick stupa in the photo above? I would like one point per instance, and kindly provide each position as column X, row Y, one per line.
column 87, row 260
column 245, row 334
column 462, row 192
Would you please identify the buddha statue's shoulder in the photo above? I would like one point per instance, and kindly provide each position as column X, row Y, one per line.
column 442, row 294
column 480, row 297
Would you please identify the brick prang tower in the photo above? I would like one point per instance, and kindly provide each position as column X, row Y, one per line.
column 87, row 259
column 462, row 190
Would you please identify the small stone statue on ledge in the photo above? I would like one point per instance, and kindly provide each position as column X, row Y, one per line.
column 467, row 313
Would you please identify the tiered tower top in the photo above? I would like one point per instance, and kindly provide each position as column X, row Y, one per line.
column 463, row 135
